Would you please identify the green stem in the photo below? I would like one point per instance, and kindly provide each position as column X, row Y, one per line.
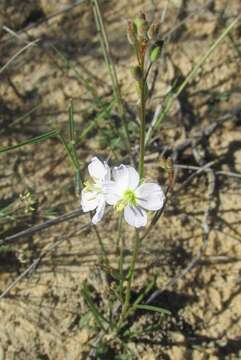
column 142, row 126
column 120, row 247
column 130, row 277
column 119, row 233
column 112, row 71
column 148, row 70
column 103, row 256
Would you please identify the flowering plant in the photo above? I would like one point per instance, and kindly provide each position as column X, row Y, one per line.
column 126, row 192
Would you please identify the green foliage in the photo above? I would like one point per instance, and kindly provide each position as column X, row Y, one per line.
column 85, row 320
column 152, row 308
column 35, row 140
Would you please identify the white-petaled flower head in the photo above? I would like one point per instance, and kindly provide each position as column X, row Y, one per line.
column 93, row 194
column 126, row 193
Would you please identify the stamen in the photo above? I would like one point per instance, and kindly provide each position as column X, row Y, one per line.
column 90, row 187
column 129, row 199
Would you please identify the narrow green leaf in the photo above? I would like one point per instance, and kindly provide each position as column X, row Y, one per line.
column 71, row 122
column 98, row 316
column 71, row 149
column 21, row 118
column 69, row 152
column 189, row 77
column 146, row 291
column 35, row 140
column 153, row 308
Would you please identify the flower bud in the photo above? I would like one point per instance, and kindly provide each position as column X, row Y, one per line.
column 136, row 73
column 155, row 51
column 141, row 27
column 131, row 32
column 153, row 31
column 142, row 15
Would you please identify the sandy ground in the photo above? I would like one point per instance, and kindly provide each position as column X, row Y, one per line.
column 40, row 316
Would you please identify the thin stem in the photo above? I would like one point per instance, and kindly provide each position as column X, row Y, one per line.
column 142, row 126
column 148, row 70
column 120, row 244
column 126, row 305
column 103, row 256
column 142, row 295
column 39, row 227
column 119, row 233
column 33, row 43
column 112, row 71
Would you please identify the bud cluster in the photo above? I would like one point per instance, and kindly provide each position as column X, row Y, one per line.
column 144, row 36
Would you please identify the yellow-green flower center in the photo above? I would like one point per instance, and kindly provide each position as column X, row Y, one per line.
column 128, row 199
column 90, row 187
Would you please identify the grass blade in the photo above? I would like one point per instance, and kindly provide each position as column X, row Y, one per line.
column 69, row 152
column 35, row 140
column 14, row 57
column 72, row 149
column 97, row 315
column 112, row 71
column 189, row 77
column 21, row 118
column 153, row 308
column 71, row 122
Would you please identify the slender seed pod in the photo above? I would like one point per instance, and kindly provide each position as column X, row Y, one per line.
column 131, row 32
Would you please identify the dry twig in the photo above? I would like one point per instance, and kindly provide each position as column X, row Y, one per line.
column 32, row 230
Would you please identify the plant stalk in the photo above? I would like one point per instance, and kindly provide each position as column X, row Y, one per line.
column 120, row 248
column 130, row 277
column 142, row 125
column 103, row 256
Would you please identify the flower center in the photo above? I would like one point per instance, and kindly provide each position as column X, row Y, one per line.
column 90, row 187
column 129, row 198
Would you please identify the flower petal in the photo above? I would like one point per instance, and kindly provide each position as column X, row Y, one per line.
column 99, row 211
column 112, row 192
column 135, row 216
column 89, row 200
column 150, row 196
column 97, row 169
column 108, row 171
column 126, row 177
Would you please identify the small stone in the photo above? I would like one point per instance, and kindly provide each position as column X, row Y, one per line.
column 177, row 337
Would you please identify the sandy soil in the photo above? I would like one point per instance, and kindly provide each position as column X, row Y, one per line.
column 40, row 317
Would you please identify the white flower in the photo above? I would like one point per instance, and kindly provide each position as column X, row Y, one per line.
column 92, row 196
column 126, row 193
